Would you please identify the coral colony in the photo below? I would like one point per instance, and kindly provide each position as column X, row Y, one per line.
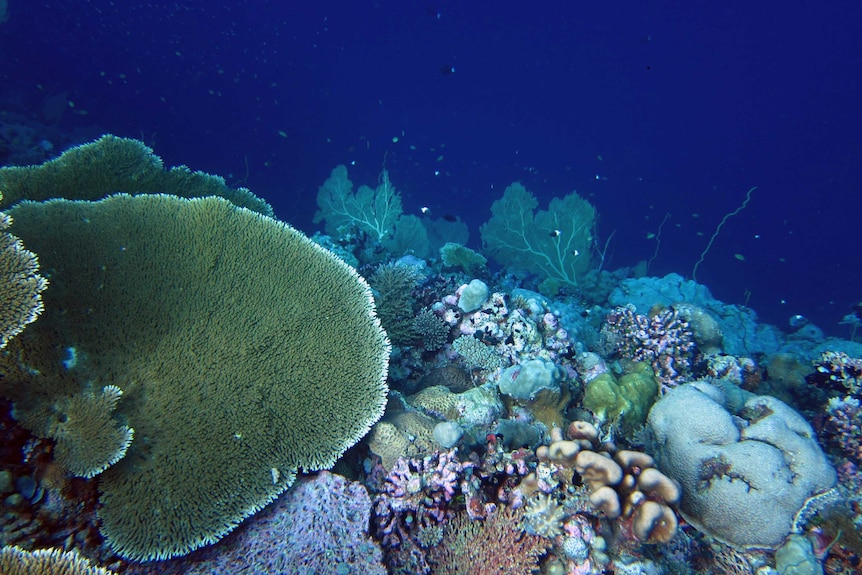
column 545, row 416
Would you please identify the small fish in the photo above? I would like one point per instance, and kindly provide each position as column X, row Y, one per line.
column 576, row 253
column 425, row 210
column 555, row 233
column 449, row 218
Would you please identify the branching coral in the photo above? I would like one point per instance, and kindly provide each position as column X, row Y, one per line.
column 489, row 547
column 664, row 340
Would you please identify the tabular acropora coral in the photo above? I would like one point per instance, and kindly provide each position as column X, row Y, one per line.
column 16, row 561
column 111, row 165
column 320, row 525
column 21, row 286
column 244, row 352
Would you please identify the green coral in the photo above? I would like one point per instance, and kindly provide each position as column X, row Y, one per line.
column 21, row 286
column 554, row 245
column 477, row 354
column 429, row 331
column 408, row 237
column 626, row 400
column 110, row 165
column 245, row 353
column 458, row 256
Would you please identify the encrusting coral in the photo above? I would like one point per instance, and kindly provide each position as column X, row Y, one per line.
column 245, row 352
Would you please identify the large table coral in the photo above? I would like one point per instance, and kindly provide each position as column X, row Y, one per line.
column 244, row 352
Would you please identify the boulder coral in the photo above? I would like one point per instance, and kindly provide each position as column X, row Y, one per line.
column 244, row 353
column 746, row 477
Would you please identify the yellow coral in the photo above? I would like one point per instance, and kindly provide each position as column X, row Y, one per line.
column 388, row 443
column 436, row 401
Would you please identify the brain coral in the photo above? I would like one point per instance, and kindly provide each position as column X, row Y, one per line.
column 744, row 478
column 244, row 352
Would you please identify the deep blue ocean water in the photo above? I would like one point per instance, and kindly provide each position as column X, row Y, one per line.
column 644, row 108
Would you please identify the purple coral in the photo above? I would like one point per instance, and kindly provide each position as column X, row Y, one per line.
column 664, row 340
column 318, row 526
column 843, row 429
column 415, row 494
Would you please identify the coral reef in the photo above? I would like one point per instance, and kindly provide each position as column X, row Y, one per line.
column 555, row 244
column 664, row 340
column 89, row 439
column 15, row 561
column 458, row 256
column 372, row 211
column 837, row 371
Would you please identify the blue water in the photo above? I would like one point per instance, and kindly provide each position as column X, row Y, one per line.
column 643, row 108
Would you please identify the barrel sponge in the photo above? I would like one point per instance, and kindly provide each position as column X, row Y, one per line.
column 17, row 561
column 21, row 285
column 245, row 353
column 109, row 165
column 745, row 477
